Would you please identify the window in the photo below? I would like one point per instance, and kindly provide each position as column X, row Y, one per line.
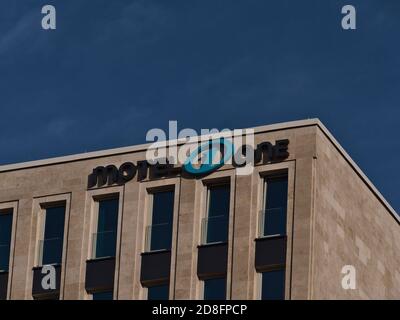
column 51, row 247
column 215, row 289
column 5, row 239
column 50, row 297
column 273, row 285
column 273, row 223
column 215, row 225
column 159, row 233
column 273, row 218
column 105, row 295
column 160, row 292
column 105, row 240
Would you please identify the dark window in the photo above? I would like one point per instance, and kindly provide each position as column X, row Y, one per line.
column 215, row 226
column 105, row 240
column 158, row 292
column 274, row 215
column 160, row 232
column 48, row 297
column 106, row 295
column 215, row 289
column 273, row 285
column 5, row 239
column 52, row 244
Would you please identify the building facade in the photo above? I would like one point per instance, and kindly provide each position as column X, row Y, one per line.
column 108, row 225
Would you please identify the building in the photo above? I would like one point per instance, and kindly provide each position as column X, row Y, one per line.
column 284, row 231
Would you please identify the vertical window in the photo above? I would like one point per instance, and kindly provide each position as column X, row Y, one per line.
column 215, row 225
column 160, row 292
column 105, row 295
column 215, row 289
column 105, row 240
column 273, row 228
column 273, row 285
column 5, row 239
column 273, row 218
column 159, row 233
column 51, row 247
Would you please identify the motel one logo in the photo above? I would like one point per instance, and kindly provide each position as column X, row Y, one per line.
column 190, row 154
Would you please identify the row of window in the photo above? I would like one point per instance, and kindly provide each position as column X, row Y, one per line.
column 272, row 221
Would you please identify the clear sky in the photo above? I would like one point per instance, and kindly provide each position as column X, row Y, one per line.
column 115, row 69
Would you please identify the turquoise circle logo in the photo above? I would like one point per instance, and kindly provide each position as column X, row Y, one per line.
column 210, row 150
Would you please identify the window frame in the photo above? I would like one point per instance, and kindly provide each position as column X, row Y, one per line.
column 261, row 274
column 221, row 176
column 272, row 176
column 91, row 216
column 8, row 211
column 214, row 278
column 42, row 204
column 167, row 285
column 209, row 186
column 100, row 292
column 145, row 203
column 39, row 206
column 6, row 207
column 260, row 173
column 42, row 220
column 149, row 216
column 95, row 219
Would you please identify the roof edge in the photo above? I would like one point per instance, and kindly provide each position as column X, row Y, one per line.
column 138, row 148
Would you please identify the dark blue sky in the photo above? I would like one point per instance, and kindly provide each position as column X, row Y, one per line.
column 115, row 69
